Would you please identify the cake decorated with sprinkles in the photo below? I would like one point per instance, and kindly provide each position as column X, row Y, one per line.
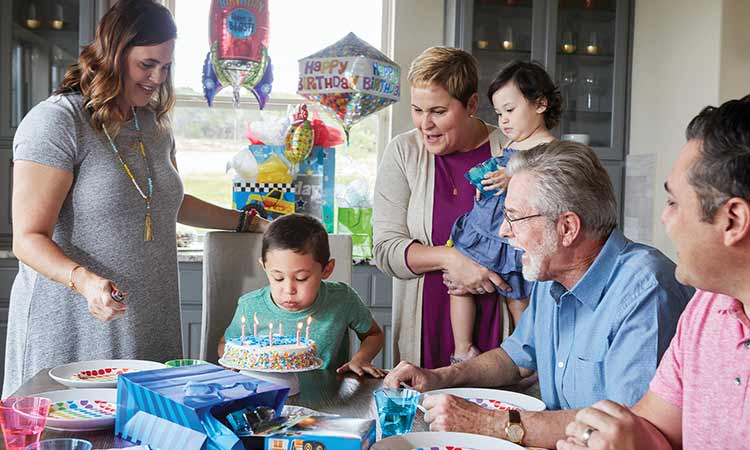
column 285, row 353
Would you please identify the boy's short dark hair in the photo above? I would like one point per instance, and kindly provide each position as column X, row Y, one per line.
column 535, row 84
column 301, row 234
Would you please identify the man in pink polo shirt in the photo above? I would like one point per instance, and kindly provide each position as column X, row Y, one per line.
column 700, row 395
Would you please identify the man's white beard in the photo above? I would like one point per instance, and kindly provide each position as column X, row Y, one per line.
column 533, row 269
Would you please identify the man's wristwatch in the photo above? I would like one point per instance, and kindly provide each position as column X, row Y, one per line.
column 514, row 430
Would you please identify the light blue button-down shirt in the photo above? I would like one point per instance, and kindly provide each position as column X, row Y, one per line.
column 604, row 338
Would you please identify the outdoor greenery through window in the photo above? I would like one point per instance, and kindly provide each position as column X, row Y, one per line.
column 208, row 138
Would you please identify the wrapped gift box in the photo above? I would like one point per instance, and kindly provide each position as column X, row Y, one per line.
column 310, row 191
column 321, row 433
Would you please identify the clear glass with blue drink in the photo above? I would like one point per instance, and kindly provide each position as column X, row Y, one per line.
column 396, row 410
column 476, row 174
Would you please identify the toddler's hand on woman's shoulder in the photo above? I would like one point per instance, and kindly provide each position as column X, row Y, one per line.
column 361, row 368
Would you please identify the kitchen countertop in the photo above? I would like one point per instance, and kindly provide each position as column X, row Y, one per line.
column 182, row 255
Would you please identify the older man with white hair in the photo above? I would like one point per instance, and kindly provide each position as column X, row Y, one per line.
column 602, row 314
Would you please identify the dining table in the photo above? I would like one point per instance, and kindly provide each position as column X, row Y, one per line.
column 321, row 390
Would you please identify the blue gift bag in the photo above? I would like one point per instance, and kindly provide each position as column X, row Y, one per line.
column 183, row 407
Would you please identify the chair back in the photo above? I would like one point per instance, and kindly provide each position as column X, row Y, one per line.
column 231, row 268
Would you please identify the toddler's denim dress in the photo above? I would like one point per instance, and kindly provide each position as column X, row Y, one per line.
column 476, row 235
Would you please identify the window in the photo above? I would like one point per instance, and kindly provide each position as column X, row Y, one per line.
column 207, row 138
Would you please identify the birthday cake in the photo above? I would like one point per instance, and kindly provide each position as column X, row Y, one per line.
column 285, row 353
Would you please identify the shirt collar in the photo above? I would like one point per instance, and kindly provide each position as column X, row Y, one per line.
column 726, row 305
column 589, row 288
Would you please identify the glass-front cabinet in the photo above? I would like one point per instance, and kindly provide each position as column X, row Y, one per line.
column 583, row 44
column 39, row 39
column 43, row 43
column 590, row 66
column 496, row 32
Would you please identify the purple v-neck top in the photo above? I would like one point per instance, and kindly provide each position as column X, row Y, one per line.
column 437, row 335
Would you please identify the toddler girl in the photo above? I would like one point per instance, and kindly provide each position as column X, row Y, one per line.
column 528, row 105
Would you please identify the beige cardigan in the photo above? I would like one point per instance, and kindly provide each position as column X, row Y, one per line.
column 403, row 214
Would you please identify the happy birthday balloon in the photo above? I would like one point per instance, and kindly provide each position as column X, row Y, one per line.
column 299, row 139
column 238, row 39
column 351, row 79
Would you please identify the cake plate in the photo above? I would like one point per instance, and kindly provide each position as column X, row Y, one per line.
column 287, row 378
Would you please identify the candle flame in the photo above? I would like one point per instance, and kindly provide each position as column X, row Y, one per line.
column 270, row 326
column 255, row 318
column 299, row 325
column 243, row 320
column 309, row 319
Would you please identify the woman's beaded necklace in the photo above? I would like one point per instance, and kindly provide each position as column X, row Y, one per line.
column 148, row 232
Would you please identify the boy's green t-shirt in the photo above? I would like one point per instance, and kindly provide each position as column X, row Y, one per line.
column 336, row 309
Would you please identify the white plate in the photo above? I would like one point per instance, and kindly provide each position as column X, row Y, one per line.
column 443, row 440
column 81, row 409
column 101, row 373
column 318, row 364
column 489, row 397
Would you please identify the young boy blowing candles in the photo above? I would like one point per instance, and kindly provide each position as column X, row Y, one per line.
column 297, row 260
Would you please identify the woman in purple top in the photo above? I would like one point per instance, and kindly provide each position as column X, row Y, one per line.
column 419, row 194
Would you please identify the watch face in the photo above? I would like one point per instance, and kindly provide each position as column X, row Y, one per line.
column 515, row 432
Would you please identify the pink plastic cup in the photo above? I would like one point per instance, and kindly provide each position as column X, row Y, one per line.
column 22, row 420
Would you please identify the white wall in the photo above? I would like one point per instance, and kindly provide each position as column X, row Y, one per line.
column 735, row 50
column 417, row 24
column 686, row 54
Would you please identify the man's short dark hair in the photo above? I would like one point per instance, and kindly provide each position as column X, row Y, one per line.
column 722, row 170
column 300, row 233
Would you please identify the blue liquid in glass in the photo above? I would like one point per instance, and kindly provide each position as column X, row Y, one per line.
column 397, row 416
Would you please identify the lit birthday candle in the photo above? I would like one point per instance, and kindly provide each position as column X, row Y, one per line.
column 299, row 330
column 255, row 325
column 307, row 329
column 270, row 334
column 281, row 332
column 243, row 330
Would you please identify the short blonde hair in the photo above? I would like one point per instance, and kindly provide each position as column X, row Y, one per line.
column 451, row 68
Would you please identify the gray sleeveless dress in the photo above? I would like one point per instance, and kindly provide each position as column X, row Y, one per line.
column 100, row 227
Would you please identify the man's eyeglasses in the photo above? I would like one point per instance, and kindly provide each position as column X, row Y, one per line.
column 510, row 221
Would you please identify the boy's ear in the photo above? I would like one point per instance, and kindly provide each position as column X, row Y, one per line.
column 328, row 268
column 260, row 261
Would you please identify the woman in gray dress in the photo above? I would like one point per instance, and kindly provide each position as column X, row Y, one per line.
column 96, row 197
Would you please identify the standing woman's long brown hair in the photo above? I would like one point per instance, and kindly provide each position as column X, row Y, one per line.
column 98, row 74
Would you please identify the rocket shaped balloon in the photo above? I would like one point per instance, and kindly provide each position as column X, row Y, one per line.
column 238, row 56
column 351, row 79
